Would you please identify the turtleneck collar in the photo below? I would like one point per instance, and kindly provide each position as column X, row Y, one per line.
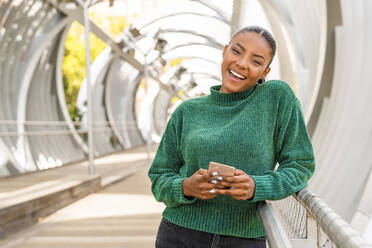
column 227, row 98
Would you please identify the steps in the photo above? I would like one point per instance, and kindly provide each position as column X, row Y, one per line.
column 28, row 198
column 27, row 205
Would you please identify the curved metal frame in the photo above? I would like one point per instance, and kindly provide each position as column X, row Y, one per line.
column 211, row 41
column 60, row 90
column 182, row 13
column 124, row 141
column 46, row 26
column 26, row 80
column 211, row 6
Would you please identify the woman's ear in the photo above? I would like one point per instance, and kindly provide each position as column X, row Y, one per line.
column 267, row 70
column 224, row 50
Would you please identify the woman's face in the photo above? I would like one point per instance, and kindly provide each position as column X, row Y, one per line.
column 244, row 62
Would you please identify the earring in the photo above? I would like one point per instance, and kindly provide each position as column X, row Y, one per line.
column 261, row 81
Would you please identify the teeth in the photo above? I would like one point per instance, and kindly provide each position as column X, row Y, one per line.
column 236, row 74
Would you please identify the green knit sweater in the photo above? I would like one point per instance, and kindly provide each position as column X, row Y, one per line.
column 252, row 131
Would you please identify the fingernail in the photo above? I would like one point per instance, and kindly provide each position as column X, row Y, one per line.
column 219, row 178
column 212, row 191
column 232, row 188
column 214, row 181
column 214, row 173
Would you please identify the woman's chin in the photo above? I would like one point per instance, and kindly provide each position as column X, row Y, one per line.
column 233, row 88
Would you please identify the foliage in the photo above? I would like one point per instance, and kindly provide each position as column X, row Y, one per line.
column 73, row 66
column 113, row 24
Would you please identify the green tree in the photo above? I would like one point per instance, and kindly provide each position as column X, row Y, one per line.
column 73, row 66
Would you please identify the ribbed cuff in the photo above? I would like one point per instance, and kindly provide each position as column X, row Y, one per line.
column 263, row 188
column 178, row 191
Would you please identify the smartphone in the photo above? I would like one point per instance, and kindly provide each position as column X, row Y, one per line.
column 222, row 169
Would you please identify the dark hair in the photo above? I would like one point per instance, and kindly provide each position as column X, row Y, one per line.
column 262, row 32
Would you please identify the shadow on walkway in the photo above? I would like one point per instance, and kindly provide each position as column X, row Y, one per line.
column 123, row 214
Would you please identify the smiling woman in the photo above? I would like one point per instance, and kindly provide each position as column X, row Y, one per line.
column 245, row 124
column 246, row 59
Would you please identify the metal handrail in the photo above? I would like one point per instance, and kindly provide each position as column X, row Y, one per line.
column 275, row 233
column 337, row 230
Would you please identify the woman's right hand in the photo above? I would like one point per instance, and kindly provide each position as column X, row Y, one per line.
column 199, row 185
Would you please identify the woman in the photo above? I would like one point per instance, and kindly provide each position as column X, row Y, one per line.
column 245, row 123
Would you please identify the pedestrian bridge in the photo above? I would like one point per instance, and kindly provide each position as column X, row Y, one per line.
column 79, row 181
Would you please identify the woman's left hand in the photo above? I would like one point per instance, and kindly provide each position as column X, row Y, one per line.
column 241, row 186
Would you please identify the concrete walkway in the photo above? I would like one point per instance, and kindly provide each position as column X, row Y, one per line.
column 123, row 214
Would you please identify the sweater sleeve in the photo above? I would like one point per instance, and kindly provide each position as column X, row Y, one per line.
column 164, row 172
column 294, row 153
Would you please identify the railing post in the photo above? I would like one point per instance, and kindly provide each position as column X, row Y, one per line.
column 275, row 234
column 337, row 230
column 91, row 149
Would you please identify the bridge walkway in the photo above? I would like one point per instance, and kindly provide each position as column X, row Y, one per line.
column 122, row 214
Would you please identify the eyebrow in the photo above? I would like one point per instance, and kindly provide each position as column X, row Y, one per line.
column 243, row 48
column 238, row 44
column 262, row 57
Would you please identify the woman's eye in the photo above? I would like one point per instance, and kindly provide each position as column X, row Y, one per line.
column 257, row 62
column 235, row 51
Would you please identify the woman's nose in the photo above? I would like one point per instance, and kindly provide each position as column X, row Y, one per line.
column 242, row 63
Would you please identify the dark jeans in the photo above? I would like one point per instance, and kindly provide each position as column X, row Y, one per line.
column 174, row 236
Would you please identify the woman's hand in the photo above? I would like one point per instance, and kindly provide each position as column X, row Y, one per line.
column 241, row 186
column 198, row 185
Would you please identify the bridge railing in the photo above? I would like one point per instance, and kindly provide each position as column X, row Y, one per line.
column 275, row 233
column 307, row 221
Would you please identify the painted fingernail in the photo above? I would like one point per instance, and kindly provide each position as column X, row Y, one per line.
column 214, row 173
column 219, row 178
column 232, row 188
column 212, row 191
column 214, row 181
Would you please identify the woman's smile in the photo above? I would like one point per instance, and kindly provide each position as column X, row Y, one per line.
column 236, row 75
column 245, row 61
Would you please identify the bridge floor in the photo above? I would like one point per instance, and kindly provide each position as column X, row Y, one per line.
column 123, row 214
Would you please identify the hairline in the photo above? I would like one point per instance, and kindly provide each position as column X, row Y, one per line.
column 243, row 30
